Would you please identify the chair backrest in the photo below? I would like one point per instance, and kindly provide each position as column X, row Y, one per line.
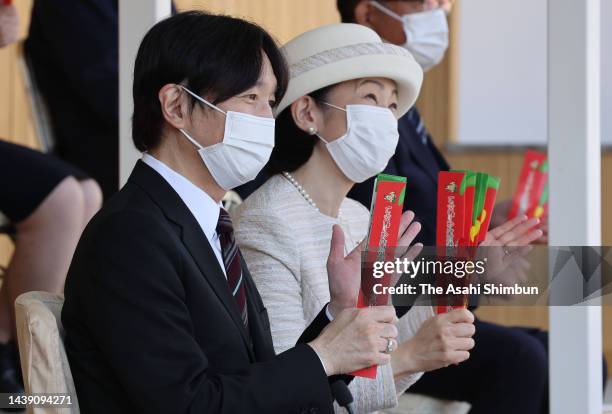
column 41, row 348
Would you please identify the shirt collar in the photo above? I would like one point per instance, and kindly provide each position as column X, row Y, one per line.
column 202, row 206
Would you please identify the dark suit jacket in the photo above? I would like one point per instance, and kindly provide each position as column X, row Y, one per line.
column 151, row 325
column 417, row 159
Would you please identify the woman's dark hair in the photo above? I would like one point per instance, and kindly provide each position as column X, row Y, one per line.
column 293, row 146
column 213, row 55
column 346, row 8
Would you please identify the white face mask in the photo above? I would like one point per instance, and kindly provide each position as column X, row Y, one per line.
column 247, row 143
column 426, row 34
column 370, row 141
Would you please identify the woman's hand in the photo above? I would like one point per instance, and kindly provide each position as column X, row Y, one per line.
column 344, row 273
column 441, row 340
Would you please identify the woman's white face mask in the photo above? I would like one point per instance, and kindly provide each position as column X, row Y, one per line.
column 426, row 34
column 368, row 144
column 247, row 144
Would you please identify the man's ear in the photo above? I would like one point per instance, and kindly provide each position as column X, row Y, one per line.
column 305, row 113
column 174, row 105
column 362, row 13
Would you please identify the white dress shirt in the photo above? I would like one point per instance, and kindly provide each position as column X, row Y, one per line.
column 201, row 205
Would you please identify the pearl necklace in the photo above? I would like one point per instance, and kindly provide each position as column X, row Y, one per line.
column 304, row 193
column 300, row 189
column 310, row 201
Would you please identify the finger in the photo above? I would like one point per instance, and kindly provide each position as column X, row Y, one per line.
column 462, row 344
column 458, row 357
column 542, row 240
column 383, row 314
column 519, row 230
column 382, row 345
column 413, row 252
column 387, row 330
column 410, row 234
column 528, row 238
column 336, row 249
column 459, row 315
column 497, row 232
column 463, row 330
column 405, row 221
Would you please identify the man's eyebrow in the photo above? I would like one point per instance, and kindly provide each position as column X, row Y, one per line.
column 261, row 83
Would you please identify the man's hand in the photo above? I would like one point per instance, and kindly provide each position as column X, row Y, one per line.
column 344, row 273
column 440, row 341
column 500, row 212
column 520, row 231
column 9, row 25
column 505, row 248
column 500, row 216
column 356, row 339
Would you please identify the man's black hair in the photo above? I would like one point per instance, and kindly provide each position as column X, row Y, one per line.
column 346, row 8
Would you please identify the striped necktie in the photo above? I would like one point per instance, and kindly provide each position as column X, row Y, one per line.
column 231, row 261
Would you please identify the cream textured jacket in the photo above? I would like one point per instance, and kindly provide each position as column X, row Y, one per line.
column 285, row 242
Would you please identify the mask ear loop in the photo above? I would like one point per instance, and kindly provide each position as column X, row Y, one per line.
column 332, row 106
column 193, row 141
column 203, row 100
column 386, row 11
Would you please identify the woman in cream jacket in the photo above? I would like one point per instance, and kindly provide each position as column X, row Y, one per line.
column 337, row 125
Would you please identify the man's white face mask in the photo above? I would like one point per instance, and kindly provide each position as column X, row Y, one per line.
column 426, row 34
column 247, row 143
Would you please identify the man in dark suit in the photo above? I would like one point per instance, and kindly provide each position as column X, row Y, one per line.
column 161, row 314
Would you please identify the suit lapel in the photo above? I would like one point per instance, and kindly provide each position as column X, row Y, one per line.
column 193, row 238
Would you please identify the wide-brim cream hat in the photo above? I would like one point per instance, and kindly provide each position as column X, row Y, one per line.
column 339, row 52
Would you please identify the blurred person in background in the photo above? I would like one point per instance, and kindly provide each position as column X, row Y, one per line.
column 73, row 48
column 493, row 380
column 48, row 203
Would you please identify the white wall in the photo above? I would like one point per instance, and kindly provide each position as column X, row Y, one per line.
column 502, row 68
column 606, row 71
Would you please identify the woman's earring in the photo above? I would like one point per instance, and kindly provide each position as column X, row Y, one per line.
column 312, row 131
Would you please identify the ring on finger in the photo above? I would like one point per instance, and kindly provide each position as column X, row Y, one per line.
column 389, row 347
